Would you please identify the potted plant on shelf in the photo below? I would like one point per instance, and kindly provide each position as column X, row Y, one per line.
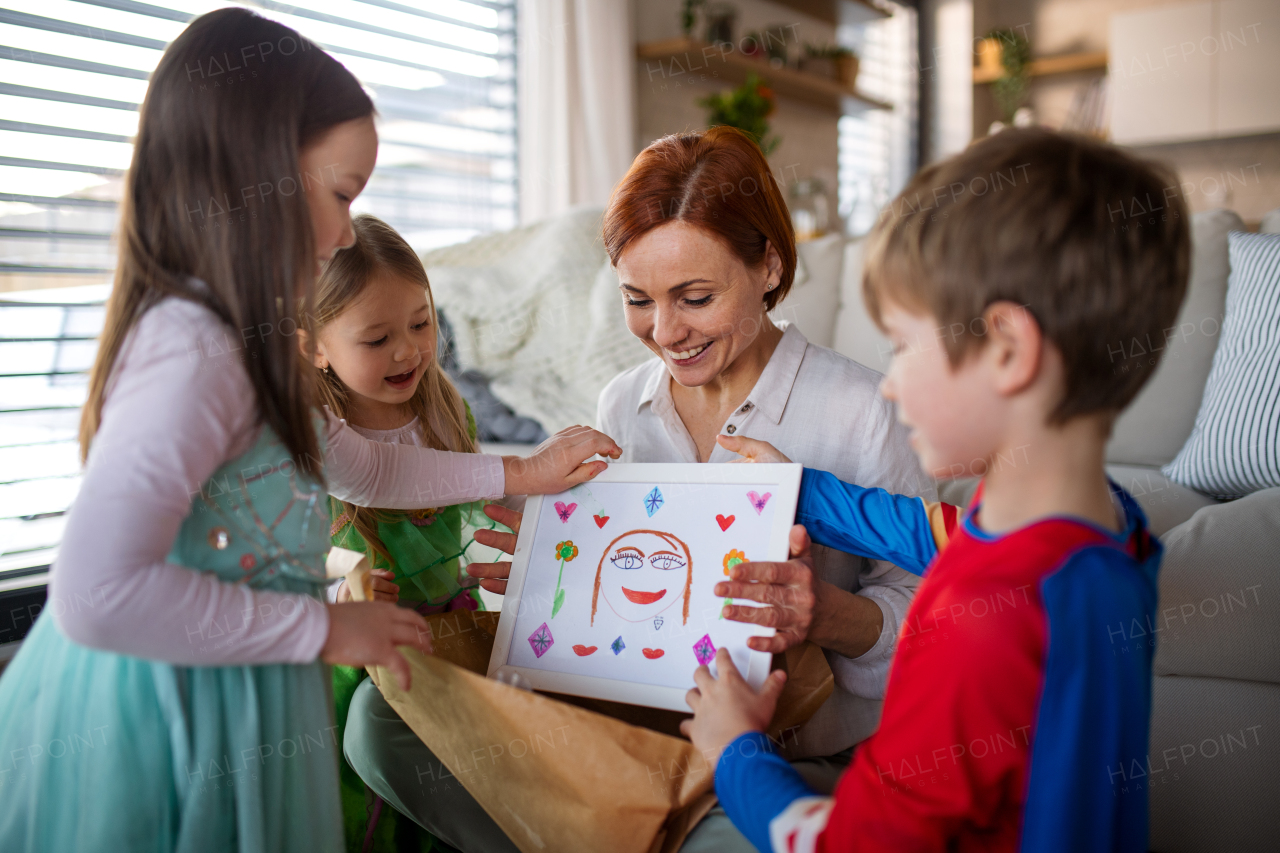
column 1010, row 88
column 747, row 108
column 831, row 61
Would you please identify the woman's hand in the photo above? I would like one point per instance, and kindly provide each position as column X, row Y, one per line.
column 493, row 576
column 383, row 583
column 725, row 708
column 751, row 449
column 366, row 633
column 799, row 605
column 560, row 462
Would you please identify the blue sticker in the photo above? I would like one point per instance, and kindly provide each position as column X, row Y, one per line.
column 618, row 646
column 653, row 501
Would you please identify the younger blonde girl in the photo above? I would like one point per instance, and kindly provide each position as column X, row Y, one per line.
column 375, row 344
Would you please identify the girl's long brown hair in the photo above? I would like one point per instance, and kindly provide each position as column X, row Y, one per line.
column 215, row 192
column 379, row 252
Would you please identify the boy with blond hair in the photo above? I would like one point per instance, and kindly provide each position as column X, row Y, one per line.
column 1008, row 713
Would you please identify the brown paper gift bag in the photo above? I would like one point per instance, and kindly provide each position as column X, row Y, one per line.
column 570, row 774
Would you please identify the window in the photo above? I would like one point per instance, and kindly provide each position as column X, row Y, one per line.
column 877, row 153
column 72, row 74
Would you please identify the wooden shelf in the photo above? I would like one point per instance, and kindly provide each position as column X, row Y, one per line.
column 829, row 11
column 679, row 57
column 1067, row 63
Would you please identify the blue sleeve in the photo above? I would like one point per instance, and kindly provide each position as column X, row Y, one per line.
column 1090, row 751
column 755, row 785
column 868, row 522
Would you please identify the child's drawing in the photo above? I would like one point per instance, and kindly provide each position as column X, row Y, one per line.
column 653, row 501
column 758, row 500
column 641, row 574
column 654, row 551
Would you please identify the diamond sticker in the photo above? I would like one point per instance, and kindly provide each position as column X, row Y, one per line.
column 541, row 640
column 704, row 650
column 618, row 646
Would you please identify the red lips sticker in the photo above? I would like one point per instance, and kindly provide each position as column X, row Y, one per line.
column 653, row 654
column 583, row 651
column 601, row 520
column 638, row 596
column 724, row 521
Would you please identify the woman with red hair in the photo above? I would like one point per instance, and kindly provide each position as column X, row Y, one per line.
column 702, row 242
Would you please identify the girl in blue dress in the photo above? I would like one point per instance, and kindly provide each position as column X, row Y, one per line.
column 174, row 693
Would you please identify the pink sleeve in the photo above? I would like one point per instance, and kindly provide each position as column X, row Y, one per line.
column 400, row 476
column 173, row 414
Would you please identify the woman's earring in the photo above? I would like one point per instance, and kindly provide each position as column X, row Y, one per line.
column 325, row 369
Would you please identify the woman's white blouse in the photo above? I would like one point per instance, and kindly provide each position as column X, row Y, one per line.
column 822, row 410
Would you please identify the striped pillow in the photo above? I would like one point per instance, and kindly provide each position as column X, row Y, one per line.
column 1234, row 448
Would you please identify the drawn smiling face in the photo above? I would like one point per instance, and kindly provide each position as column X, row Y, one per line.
column 641, row 574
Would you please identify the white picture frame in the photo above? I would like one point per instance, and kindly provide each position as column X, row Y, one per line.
column 689, row 491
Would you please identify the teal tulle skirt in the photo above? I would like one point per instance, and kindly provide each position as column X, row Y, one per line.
column 104, row 752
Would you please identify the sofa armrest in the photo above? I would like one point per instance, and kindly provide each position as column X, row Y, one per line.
column 1219, row 611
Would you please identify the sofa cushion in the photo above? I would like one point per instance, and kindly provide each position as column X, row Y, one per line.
column 1234, row 448
column 1211, row 768
column 1270, row 222
column 1156, row 424
column 856, row 337
column 815, row 293
column 537, row 311
column 1219, row 612
column 1166, row 503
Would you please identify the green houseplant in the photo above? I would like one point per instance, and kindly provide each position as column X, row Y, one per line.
column 1010, row 88
column 747, row 108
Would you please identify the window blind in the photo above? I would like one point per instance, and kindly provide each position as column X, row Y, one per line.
column 877, row 153
column 72, row 76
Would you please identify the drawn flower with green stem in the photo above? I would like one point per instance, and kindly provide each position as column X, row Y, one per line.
column 566, row 551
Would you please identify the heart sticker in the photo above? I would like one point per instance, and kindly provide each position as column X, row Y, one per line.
column 724, row 521
column 601, row 520
column 758, row 500
column 565, row 511
column 653, row 654
column 582, row 651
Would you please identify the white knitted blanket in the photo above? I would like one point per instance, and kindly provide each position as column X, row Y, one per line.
column 537, row 310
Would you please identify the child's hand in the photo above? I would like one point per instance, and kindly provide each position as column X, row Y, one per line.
column 726, row 707
column 384, row 587
column 751, row 449
column 493, row 576
column 560, row 462
column 366, row 633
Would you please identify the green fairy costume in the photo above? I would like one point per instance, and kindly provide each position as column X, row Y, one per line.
column 428, row 549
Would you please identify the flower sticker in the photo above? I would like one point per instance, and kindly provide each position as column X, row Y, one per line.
column 730, row 560
column 565, row 552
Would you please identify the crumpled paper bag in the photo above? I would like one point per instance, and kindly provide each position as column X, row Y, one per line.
column 569, row 774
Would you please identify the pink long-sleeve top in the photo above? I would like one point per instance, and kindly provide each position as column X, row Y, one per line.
column 178, row 406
